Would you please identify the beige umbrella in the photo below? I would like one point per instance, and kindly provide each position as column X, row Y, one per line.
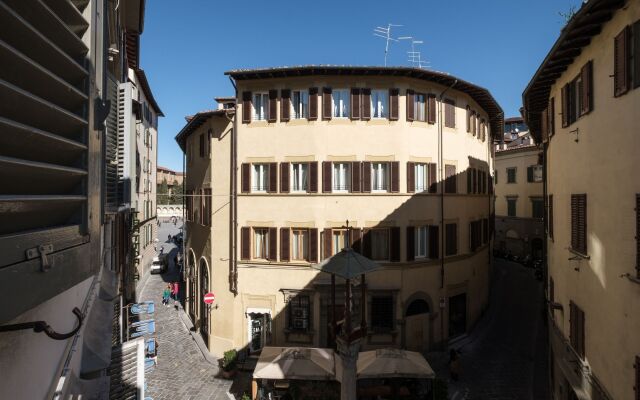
column 300, row 363
column 393, row 363
column 347, row 264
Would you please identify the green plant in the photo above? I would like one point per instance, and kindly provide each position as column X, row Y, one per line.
column 229, row 360
column 245, row 397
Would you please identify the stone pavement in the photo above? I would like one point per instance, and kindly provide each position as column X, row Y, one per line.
column 182, row 372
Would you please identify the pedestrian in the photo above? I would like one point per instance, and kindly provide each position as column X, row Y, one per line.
column 166, row 294
column 176, row 289
column 454, row 365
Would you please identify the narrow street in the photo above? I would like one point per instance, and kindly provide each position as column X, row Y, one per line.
column 182, row 372
column 505, row 357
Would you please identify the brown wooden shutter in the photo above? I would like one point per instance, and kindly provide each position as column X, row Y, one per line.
column 544, row 121
column 410, row 105
column 326, row 243
column 550, row 219
column 273, row 244
column 411, row 251
column 395, row 176
column 366, row 104
column 326, row 103
column 434, row 242
column 246, row 107
column 579, row 222
column 366, row 177
column 313, row 104
column 356, row 175
column 474, row 180
column 355, row 236
column 273, row 105
column 431, row 108
column 245, row 178
column 394, row 241
column 451, row 235
column 326, row 176
column 621, row 62
column 284, row 177
column 587, row 88
column 469, row 181
column 393, row 104
column 245, row 243
column 313, row 245
column 433, row 178
column 551, row 125
column 636, row 54
column 284, row 244
column 468, row 119
column 411, row 180
column 273, row 178
column 637, row 209
column 564, row 94
column 355, row 103
column 366, row 242
column 450, row 180
column 313, row 177
column 285, row 105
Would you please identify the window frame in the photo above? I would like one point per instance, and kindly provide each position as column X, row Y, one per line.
column 416, row 107
column 295, row 303
column 376, row 325
column 346, row 110
column 264, row 102
column 421, row 233
column 303, row 111
column 347, row 169
column 386, row 177
column 540, row 202
column 382, row 96
column 342, row 234
column 265, row 175
column 449, row 103
column 515, row 175
column 515, row 206
column 300, row 246
column 417, row 187
column 303, row 172
column 379, row 231
column 254, row 252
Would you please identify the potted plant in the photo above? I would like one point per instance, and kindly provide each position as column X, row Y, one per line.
column 229, row 364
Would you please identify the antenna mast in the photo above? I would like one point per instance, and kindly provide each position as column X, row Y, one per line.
column 385, row 33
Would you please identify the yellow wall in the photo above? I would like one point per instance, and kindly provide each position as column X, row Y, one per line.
column 522, row 189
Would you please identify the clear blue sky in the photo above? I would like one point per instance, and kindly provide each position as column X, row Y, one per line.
column 187, row 45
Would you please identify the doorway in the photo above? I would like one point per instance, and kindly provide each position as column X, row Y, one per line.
column 417, row 326
column 259, row 329
column 204, row 308
column 457, row 315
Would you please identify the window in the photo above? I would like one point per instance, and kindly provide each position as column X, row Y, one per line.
column 341, row 177
column 577, row 96
column 421, row 239
column 449, row 113
column 550, row 218
column 300, row 104
column 261, row 243
column 299, row 177
column 300, row 244
column 451, row 239
column 511, row 207
column 579, row 223
column 259, row 177
column 299, row 313
column 420, row 107
column 379, row 176
column 511, row 175
column 382, row 313
column 576, row 329
column 379, row 244
column 339, row 240
column 421, row 173
column 450, row 183
column 475, row 235
column 206, row 211
column 537, row 208
column 260, row 106
column 379, row 103
column 340, row 100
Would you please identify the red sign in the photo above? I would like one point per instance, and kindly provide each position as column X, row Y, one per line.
column 209, row 298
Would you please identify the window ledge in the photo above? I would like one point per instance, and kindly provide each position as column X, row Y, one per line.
column 578, row 255
column 632, row 278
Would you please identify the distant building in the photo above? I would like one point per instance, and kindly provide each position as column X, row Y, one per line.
column 582, row 106
column 519, row 200
column 172, row 177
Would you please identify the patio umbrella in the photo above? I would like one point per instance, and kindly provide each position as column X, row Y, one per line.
column 347, row 264
column 300, row 363
column 393, row 363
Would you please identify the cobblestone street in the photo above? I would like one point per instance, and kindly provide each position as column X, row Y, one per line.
column 182, row 371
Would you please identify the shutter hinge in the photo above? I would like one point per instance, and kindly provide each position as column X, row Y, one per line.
column 41, row 251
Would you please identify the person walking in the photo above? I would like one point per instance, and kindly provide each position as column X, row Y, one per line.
column 175, row 291
column 166, row 294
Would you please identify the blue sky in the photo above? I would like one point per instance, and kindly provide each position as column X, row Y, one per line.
column 187, row 45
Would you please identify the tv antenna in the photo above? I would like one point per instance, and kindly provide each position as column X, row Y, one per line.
column 415, row 57
column 385, row 33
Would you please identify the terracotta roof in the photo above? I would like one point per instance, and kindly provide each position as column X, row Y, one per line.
column 514, row 119
column 481, row 95
column 144, row 85
column 585, row 24
column 196, row 120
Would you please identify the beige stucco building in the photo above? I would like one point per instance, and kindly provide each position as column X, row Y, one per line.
column 404, row 155
column 582, row 105
column 172, row 177
column 518, row 192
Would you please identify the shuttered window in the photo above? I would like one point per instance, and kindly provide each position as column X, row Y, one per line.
column 355, row 104
column 579, row 223
column 577, row 329
column 621, row 64
column 550, row 217
column 511, row 206
column 449, row 113
column 273, row 106
column 260, row 106
column 410, row 105
column 637, row 235
column 431, row 108
column 326, row 104
column 285, row 105
column 394, row 104
column 341, row 103
column 300, row 104
column 450, row 183
column 586, row 101
column 341, row 177
column 206, row 209
column 313, row 104
column 247, row 107
column 636, row 386
column 551, row 124
column 635, row 54
column 46, row 149
column 451, row 239
column 299, row 245
column 381, row 313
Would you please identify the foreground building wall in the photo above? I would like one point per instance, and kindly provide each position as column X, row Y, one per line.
column 292, row 205
column 592, row 145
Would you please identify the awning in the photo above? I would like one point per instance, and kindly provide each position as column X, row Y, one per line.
column 393, row 363
column 299, row 363
column 347, row 264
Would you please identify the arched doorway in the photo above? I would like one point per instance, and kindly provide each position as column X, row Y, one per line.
column 417, row 324
column 191, row 267
column 204, row 309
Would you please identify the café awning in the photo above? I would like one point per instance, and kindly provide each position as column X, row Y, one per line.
column 393, row 363
column 299, row 363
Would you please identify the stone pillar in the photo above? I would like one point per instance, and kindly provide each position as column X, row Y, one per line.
column 348, row 352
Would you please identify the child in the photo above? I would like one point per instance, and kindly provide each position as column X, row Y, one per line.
column 166, row 294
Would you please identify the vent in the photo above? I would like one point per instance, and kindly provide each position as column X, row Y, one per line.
column 125, row 138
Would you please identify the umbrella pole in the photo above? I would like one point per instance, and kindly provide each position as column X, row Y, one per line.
column 363, row 305
column 347, row 310
column 333, row 307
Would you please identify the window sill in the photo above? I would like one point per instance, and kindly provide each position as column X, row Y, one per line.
column 632, row 278
column 578, row 255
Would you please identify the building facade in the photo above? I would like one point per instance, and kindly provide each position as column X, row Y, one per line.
column 581, row 105
column 172, row 177
column 518, row 193
column 394, row 162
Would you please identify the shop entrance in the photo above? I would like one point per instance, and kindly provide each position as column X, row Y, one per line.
column 259, row 329
column 417, row 325
column 457, row 315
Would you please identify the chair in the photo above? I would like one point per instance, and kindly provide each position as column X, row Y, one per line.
column 146, row 307
column 142, row 330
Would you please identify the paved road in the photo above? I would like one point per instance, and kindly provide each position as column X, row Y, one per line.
column 182, row 371
column 506, row 355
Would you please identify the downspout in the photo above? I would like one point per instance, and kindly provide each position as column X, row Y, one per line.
column 233, row 243
column 184, row 221
column 441, row 167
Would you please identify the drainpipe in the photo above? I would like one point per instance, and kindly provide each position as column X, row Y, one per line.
column 184, row 217
column 233, row 243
